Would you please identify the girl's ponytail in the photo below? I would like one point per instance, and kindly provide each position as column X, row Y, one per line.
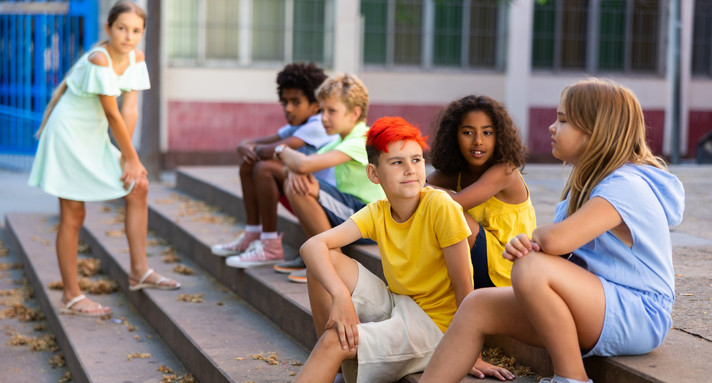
column 56, row 95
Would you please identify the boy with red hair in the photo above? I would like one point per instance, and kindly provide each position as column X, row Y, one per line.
column 386, row 332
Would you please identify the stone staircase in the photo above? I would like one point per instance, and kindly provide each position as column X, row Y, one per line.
column 250, row 325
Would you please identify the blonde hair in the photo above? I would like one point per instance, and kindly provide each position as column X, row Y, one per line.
column 118, row 9
column 611, row 116
column 348, row 89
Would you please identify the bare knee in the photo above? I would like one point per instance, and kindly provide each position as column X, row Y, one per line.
column 72, row 215
column 139, row 193
column 329, row 342
column 530, row 273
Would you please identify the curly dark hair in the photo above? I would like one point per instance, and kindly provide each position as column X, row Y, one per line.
column 508, row 147
column 305, row 77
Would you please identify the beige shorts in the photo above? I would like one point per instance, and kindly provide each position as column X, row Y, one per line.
column 396, row 337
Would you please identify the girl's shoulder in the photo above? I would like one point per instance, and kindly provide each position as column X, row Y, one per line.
column 443, row 180
column 99, row 57
column 140, row 56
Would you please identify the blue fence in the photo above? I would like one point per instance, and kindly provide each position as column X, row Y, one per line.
column 40, row 40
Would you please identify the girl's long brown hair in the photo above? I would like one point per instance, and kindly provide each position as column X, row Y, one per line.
column 118, row 9
column 611, row 116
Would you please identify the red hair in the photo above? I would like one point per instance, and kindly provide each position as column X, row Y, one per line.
column 386, row 130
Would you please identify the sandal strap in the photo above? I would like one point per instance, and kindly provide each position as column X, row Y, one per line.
column 163, row 280
column 143, row 278
column 74, row 301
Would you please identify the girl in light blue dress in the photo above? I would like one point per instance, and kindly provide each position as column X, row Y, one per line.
column 599, row 280
column 76, row 161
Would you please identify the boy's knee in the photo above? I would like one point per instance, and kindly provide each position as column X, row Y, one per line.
column 330, row 341
column 246, row 169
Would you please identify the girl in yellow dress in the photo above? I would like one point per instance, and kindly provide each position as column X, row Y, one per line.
column 477, row 155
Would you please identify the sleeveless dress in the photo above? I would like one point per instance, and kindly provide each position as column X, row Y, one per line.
column 501, row 222
column 75, row 159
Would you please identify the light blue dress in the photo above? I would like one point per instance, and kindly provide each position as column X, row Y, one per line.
column 75, row 159
column 638, row 281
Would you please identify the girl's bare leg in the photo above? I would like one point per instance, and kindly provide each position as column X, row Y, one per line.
column 136, row 226
column 485, row 311
column 71, row 218
column 566, row 305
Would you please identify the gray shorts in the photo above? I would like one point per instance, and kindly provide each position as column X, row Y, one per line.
column 396, row 337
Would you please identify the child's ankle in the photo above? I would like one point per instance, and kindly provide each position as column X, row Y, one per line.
column 269, row 235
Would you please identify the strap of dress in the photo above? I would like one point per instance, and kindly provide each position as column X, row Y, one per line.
column 102, row 49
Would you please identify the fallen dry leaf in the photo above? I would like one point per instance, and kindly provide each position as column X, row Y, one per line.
column 183, row 269
column 88, row 267
column 138, row 355
column 164, row 369
column 57, row 360
column 83, row 248
column 116, row 233
column 191, row 298
column 271, row 360
column 11, row 266
column 498, row 358
column 171, row 258
column 67, row 378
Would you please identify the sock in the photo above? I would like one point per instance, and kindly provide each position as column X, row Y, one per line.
column 253, row 228
column 269, row 235
column 561, row 379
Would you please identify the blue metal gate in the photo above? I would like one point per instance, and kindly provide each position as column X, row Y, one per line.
column 39, row 41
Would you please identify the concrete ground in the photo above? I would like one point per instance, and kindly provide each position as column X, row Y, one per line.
column 692, row 239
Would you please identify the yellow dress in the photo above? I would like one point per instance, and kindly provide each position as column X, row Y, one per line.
column 501, row 222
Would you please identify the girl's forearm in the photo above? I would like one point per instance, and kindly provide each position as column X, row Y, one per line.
column 121, row 135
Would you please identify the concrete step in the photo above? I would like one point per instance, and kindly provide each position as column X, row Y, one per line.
column 95, row 350
column 24, row 359
column 221, row 339
column 682, row 358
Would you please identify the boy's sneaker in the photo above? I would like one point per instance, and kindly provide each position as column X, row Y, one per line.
column 264, row 252
column 289, row 267
column 240, row 244
column 299, row 276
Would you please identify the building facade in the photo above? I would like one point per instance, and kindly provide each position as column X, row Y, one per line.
column 219, row 60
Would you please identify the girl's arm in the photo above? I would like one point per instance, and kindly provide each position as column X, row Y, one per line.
column 129, row 110
column 594, row 218
column 133, row 169
column 493, row 181
column 317, row 257
column 300, row 163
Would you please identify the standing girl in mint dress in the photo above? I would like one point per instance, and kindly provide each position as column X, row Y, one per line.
column 76, row 161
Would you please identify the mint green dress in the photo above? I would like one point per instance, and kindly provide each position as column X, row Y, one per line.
column 75, row 159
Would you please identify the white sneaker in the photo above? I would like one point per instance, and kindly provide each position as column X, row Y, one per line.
column 240, row 244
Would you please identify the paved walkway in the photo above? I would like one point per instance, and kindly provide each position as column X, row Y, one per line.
column 692, row 239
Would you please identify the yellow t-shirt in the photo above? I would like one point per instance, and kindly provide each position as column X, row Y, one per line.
column 502, row 222
column 411, row 252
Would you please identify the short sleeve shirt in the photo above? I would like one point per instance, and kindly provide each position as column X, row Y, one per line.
column 411, row 251
column 314, row 135
column 351, row 175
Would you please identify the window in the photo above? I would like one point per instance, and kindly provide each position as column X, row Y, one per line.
column 434, row 33
column 599, row 35
column 249, row 31
column 702, row 39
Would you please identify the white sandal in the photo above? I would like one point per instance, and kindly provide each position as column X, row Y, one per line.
column 67, row 309
column 142, row 284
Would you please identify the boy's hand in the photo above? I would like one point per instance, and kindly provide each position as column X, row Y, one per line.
column 300, row 184
column 343, row 319
column 519, row 246
column 247, row 153
column 482, row 369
